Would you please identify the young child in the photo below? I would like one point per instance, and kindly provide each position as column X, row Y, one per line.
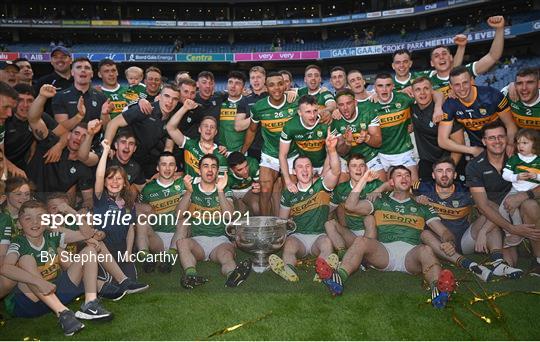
column 33, row 261
column 117, row 284
column 112, row 198
column 137, row 89
column 18, row 190
column 523, row 170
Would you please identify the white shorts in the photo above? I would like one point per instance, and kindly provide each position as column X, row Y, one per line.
column 389, row 160
column 397, row 252
column 209, row 243
column 239, row 194
column 359, row 232
column 515, row 217
column 273, row 163
column 374, row 164
column 166, row 238
column 467, row 242
column 307, row 240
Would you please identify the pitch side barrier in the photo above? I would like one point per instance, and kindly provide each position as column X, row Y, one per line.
column 367, row 50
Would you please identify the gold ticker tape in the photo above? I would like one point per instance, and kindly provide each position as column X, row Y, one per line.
column 236, row 326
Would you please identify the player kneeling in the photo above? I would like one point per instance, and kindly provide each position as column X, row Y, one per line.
column 33, row 261
column 244, row 182
column 399, row 221
column 309, row 208
column 208, row 240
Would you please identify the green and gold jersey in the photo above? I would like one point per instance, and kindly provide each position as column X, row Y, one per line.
column 237, row 183
column 401, row 220
column 117, row 98
column 306, row 141
column 517, row 165
column 135, row 93
column 7, row 220
column 394, row 119
column 526, row 115
column 206, row 212
column 272, row 119
column 193, row 153
column 340, row 194
column 6, row 228
column 363, row 119
column 443, row 84
column 228, row 136
column 399, row 85
column 163, row 199
column 323, row 97
column 309, row 207
column 46, row 255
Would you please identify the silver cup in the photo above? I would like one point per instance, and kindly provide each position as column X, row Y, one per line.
column 260, row 236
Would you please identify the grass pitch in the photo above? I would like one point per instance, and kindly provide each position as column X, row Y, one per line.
column 374, row 306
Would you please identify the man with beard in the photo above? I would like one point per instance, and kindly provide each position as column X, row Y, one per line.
column 454, row 203
column 19, row 141
column 272, row 112
column 338, row 79
column 80, row 102
column 526, row 110
column 473, row 108
column 207, row 241
column 489, row 189
column 60, row 78
column 233, row 120
column 163, row 195
column 309, row 208
column 325, row 99
column 68, row 175
column 149, row 130
column 397, row 247
column 358, row 131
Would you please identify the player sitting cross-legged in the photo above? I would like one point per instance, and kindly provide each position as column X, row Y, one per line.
column 399, row 220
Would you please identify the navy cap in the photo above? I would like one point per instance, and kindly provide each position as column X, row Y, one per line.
column 62, row 49
column 5, row 64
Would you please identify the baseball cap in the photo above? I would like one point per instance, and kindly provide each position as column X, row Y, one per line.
column 6, row 64
column 62, row 49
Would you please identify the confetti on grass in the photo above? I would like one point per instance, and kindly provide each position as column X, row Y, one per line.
column 239, row 325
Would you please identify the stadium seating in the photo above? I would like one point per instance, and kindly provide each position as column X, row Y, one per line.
column 220, row 47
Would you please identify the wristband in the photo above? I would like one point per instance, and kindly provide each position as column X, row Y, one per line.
column 531, row 194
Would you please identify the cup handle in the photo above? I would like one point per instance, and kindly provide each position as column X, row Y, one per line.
column 291, row 227
column 231, row 231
